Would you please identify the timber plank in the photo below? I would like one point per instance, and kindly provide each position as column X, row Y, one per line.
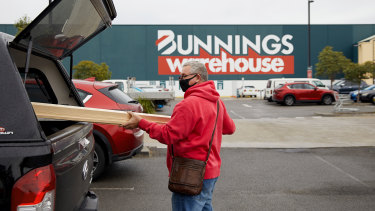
column 94, row 115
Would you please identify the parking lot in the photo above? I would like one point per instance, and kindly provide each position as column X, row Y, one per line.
column 280, row 158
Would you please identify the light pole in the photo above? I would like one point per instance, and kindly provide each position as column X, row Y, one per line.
column 309, row 67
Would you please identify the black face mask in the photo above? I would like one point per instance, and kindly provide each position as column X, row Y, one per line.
column 184, row 84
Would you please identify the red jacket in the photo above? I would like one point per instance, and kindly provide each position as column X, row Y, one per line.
column 191, row 125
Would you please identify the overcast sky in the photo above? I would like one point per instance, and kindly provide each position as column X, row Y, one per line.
column 216, row 11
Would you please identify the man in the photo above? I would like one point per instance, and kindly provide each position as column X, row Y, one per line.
column 190, row 129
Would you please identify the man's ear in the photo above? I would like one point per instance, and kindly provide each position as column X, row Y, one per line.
column 199, row 77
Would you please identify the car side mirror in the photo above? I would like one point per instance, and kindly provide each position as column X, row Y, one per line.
column 315, row 88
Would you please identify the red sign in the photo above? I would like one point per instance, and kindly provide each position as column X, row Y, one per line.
column 227, row 64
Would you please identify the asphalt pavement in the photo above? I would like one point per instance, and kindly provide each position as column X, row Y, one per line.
column 301, row 126
column 335, row 179
column 305, row 157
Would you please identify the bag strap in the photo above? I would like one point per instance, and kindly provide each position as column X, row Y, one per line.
column 213, row 132
column 212, row 137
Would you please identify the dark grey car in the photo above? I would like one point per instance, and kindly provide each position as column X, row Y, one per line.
column 46, row 164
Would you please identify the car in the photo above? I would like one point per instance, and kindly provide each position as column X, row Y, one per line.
column 273, row 83
column 291, row 93
column 367, row 96
column 353, row 94
column 153, row 89
column 112, row 142
column 47, row 164
column 248, row 91
column 345, row 87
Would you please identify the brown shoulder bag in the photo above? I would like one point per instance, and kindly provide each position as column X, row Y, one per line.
column 187, row 174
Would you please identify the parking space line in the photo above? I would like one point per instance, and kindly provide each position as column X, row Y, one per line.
column 246, row 105
column 117, row 189
column 317, row 117
column 299, row 117
column 237, row 114
column 342, row 171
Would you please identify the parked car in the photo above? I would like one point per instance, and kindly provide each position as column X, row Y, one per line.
column 353, row 94
column 248, row 91
column 159, row 97
column 46, row 164
column 367, row 96
column 153, row 89
column 112, row 142
column 291, row 93
column 273, row 83
column 345, row 87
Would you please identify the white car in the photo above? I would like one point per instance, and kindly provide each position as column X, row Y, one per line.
column 153, row 89
column 248, row 91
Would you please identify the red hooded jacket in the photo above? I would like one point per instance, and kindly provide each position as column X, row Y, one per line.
column 191, row 125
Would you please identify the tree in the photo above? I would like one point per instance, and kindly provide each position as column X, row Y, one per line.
column 22, row 23
column 357, row 72
column 87, row 69
column 371, row 67
column 331, row 63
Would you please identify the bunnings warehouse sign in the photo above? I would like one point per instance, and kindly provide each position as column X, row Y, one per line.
column 237, row 54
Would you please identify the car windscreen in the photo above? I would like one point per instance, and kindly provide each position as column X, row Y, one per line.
column 318, row 83
column 279, row 86
column 116, row 95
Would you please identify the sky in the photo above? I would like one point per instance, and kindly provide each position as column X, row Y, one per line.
column 217, row 11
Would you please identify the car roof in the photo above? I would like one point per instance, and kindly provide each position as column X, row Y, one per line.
column 298, row 83
column 96, row 84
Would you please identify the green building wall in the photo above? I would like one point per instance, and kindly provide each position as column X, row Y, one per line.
column 130, row 50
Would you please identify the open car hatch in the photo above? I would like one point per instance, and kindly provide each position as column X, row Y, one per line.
column 65, row 25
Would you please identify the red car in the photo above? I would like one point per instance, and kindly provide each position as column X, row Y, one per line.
column 112, row 142
column 290, row 93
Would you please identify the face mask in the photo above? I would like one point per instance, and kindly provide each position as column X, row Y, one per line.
column 184, row 84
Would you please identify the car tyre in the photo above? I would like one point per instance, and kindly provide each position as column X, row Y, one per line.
column 289, row 100
column 373, row 99
column 327, row 100
column 99, row 161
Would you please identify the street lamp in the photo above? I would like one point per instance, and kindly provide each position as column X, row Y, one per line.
column 309, row 67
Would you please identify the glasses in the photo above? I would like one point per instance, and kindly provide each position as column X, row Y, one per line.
column 184, row 76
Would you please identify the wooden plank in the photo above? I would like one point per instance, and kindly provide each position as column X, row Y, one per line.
column 94, row 115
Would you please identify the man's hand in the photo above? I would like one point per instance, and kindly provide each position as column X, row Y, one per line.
column 133, row 121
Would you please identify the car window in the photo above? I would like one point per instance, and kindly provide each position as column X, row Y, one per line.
column 70, row 24
column 308, row 86
column 370, row 87
column 297, row 86
column 85, row 96
column 120, row 85
column 38, row 87
column 116, row 95
column 318, row 83
column 249, row 87
column 269, row 84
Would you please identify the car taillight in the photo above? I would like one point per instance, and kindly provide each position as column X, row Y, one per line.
column 271, row 91
column 35, row 191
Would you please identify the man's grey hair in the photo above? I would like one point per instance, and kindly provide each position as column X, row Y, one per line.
column 199, row 68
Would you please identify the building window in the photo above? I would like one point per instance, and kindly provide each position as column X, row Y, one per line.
column 162, row 84
column 152, row 82
column 220, row 85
